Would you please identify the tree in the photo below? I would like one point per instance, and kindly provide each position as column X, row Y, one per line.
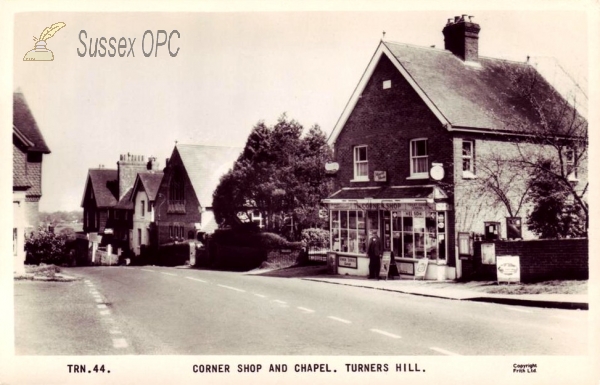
column 554, row 214
column 555, row 152
column 281, row 174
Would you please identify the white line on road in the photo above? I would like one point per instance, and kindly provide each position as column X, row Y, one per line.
column 385, row 333
column 279, row 301
column 120, row 343
column 260, row 295
column 446, row 352
column 232, row 288
column 151, row 271
column 104, row 312
column 339, row 319
column 519, row 310
column 306, row 309
column 174, row 275
column 98, row 299
column 101, row 306
column 196, row 279
column 565, row 317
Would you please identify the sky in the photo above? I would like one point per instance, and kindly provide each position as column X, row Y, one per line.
column 232, row 70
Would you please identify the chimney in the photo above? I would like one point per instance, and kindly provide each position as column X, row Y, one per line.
column 152, row 164
column 128, row 167
column 461, row 37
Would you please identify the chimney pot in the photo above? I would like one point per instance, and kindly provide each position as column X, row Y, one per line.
column 462, row 39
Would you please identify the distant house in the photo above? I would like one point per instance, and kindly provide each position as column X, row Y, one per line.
column 184, row 199
column 28, row 150
column 107, row 204
column 143, row 198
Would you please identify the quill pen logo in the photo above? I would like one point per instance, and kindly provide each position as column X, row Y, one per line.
column 40, row 52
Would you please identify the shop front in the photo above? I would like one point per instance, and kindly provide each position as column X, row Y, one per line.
column 411, row 223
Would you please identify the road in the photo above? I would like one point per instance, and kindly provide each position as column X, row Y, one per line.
column 160, row 310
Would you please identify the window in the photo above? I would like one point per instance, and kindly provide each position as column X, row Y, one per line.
column 177, row 193
column 570, row 168
column 176, row 187
column 418, row 158
column 468, row 159
column 387, row 84
column 361, row 164
column 149, row 207
column 348, row 231
column 139, row 231
column 143, row 208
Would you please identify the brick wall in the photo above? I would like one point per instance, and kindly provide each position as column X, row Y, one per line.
column 386, row 120
column 540, row 260
column 163, row 217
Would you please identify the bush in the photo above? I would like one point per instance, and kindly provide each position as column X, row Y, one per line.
column 315, row 238
column 46, row 247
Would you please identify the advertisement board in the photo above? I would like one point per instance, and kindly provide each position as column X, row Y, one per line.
column 508, row 268
column 350, row 262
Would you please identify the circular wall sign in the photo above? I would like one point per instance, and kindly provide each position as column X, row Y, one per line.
column 436, row 172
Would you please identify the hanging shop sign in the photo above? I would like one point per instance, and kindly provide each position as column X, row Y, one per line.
column 508, row 268
column 437, row 171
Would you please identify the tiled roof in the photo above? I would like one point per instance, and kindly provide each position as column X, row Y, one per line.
column 205, row 165
column 26, row 126
column 480, row 96
column 151, row 182
column 20, row 179
column 106, row 189
column 384, row 193
column 125, row 203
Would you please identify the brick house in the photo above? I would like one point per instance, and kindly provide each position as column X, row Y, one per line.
column 407, row 147
column 184, row 199
column 107, row 200
column 29, row 148
column 143, row 199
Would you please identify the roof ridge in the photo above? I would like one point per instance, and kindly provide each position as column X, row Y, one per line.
column 442, row 50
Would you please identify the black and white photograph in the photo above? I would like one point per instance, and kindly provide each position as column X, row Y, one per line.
column 274, row 192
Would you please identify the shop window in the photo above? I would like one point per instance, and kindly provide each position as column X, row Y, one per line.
column 468, row 159
column 348, row 232
column 361, row 164
column 414, row 235
column 418, row 158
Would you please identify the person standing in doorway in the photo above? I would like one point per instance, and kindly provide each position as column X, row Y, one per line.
column 374, row 250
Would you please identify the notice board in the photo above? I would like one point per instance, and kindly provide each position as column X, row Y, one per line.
column 384, row 270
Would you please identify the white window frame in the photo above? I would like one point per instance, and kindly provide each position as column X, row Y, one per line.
column 470, row 173
column 356, row 162
column 413, row 174
column 570, row 163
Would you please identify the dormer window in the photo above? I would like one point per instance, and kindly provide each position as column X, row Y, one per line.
column 361, row 164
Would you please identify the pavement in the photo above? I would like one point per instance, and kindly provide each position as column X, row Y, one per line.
column 453, row 291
